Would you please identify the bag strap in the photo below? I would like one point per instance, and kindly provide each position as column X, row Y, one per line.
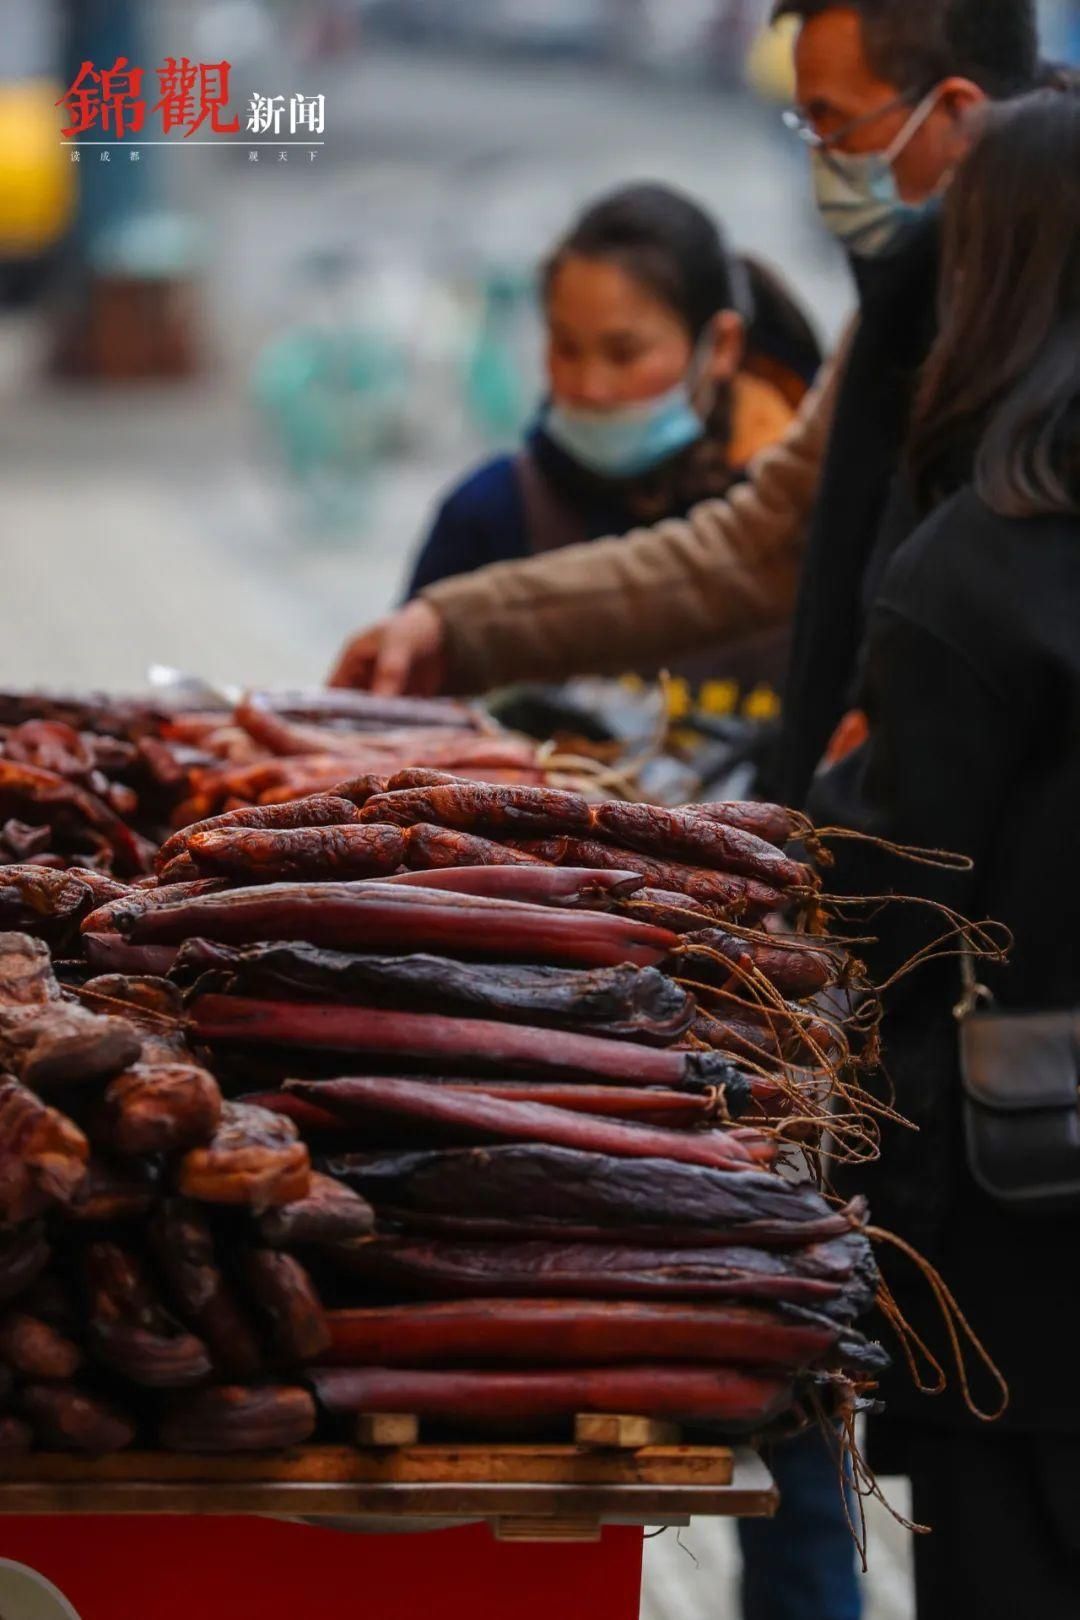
column 550, row 521
column 975, row 994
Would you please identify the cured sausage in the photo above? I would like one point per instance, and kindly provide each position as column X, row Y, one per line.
column 430, row 848
column 470, row 1115
column 703, row 842
column 255, row 1159
column 738, row 1400
column 726, row 892
column 622, row 1002
column 524, row 812
column 255, row 855
column 236, row 1418
column 768, row 821
column 534, row 884
column 382, row 916
column 792, row 966
column 584, row 1333
column 317, row 810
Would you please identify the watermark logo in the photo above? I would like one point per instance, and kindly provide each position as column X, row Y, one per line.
column 109, row 107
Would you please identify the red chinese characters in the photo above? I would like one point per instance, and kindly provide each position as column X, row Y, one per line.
column 108, row 99
column 192, row 94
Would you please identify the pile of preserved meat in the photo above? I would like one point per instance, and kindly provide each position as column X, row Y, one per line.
column 475, row 1100
column 97, row 782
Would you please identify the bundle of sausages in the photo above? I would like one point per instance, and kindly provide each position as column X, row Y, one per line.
column 273, row 748
column 728, row 859
column 684, row 878
column 94, row 782
column 266, row 756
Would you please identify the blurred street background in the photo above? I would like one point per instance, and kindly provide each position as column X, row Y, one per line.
column 231, row 391
column 361, row 326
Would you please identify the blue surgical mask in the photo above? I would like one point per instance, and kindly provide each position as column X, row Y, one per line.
column 857, row 194
column 632, row 439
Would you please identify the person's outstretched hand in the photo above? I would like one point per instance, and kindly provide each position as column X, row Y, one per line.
column 401, row 656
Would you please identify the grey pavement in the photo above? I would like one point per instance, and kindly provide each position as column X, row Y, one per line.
column 143, row 526
column 430, row 165
column 692, row 1574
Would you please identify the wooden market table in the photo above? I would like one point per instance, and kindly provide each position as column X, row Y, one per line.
column 141, row 1536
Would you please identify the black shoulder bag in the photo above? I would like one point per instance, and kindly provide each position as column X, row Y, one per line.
column 1021, row 1082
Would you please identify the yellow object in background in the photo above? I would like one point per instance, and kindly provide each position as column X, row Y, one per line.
column 718, row 697
column 770, row 65
column 761, row 705
column 37, row 184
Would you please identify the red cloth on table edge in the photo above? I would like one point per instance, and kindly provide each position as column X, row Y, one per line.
column 165, row 1568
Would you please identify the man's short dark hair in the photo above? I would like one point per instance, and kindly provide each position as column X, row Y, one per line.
column 914, row 44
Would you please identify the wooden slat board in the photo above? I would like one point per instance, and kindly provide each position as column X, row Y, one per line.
column 653, row 1485
column 407, row 1465
column 625, row 1433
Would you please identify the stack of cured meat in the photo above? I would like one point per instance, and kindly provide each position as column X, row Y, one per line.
column 97, row 782
column 475, row 1101
column 173, row 1267
column 136, row 1261
column 538, row 1189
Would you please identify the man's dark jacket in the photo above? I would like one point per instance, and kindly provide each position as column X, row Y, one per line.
column 898, row 323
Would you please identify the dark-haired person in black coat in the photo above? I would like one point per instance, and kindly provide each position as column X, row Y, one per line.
column 971, row 688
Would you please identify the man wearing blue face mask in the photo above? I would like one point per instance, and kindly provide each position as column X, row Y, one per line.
column 888, row 94
column 857, row 193
column 869, row 195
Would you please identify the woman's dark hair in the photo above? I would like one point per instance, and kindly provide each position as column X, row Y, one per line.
column 666, row 243
column 781, row 343
column 1001, row 390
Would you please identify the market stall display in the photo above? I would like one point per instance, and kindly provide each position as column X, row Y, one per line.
column 473, row 1100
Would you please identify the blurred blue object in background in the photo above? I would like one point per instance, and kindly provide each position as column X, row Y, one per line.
column 102, row 32
column 330, row 393
column 498, row 389
column 330, row 403
column 1059, row 30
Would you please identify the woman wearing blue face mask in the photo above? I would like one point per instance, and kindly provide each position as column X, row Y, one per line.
column 670, row 363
